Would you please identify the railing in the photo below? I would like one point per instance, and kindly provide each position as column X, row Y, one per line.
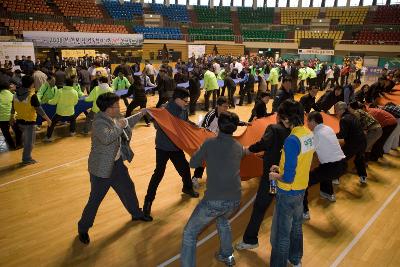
column 369, row 42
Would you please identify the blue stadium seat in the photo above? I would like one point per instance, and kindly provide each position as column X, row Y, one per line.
column 159, row 33
column 172, row 12
column 125, row 11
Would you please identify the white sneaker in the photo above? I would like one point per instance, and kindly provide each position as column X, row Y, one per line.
column 47, row 140
column 306, row 216
column 363, row 179
column 335, row 182
column 331, row 198
column 242, row 245
column 71, row 134
column 195, row 182
column 294, row 265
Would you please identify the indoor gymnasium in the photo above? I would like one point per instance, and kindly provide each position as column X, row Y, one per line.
column 199, row 133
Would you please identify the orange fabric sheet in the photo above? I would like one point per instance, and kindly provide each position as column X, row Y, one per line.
column 392, row 97
column 189, row 138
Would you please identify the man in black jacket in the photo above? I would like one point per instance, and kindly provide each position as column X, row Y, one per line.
column 248, row 87
column 194, row 92
column 375, row 90
column 352, row 135
column 167, row 150
column 329, row 99
column 260, row 108
column 308, row 100
column 271, row 143
column 284, row 93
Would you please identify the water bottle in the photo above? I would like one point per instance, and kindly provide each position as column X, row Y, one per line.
column 272, row 187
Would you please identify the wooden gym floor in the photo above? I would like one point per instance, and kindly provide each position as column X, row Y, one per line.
column 41, row 204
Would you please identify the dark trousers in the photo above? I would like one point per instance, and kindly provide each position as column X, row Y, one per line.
column 180, row 164
column 162, row 99
column 5, row 129
column 245, row 91
column 324, row 174
column 377, row 148
column 359, row 154
column 193, row 103
column 358, row 74
column 198, row 172
column 332, row 81
column 302, row 88
column 122, row 184
column 207, row 95
column 134, row 104
column 126, row 102
column 263, row 200
column 56, row 118
column 336, row 80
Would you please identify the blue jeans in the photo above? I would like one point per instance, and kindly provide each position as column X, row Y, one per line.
column 203, row 214
column 286, row 231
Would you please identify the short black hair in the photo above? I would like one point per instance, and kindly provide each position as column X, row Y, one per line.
column 221, row 100
column 292, row 111
column 228, row 122
column 103, row 79
column 106, row 100
column 4, row 84
column 180, row 93
column 264, row 94
column 355, row 105
column 27, row 81
column 69, row 82
column 315, row 116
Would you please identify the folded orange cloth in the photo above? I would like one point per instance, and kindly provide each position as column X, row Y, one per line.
column 189, row 137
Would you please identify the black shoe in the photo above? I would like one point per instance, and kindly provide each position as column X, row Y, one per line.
column 143, row 218
column 84, row 238
column 190, row 192
column 147, row 208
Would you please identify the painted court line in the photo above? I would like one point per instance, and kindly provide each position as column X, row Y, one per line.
column 346, row 251
column 58, row 166
column 209, row 236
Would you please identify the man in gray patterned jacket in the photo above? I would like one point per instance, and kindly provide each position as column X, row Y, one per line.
column 110, row 147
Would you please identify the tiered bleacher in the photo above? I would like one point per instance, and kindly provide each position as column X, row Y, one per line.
column 171, row 12
column 79, row 8
column 387, row 15
column 373, row 37
column 211, row 34
column 336, row 35
column 18, row 26
column 159, row 33
column 263, row 35
column 123, row 11
column 296, row 16
column 31, row 6
column 348, row 16
column 248, row 15
column 217, row 14
column 101, row 28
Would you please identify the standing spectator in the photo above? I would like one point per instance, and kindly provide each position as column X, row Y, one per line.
column 222, row 155
column 39, row 77
column 29, row 65
column 330, row 77
column 211, row 88
column 27, row 106
column 84, row 79
column 60, row 77
column 149, row 70
column 291, row 177
column 6, row 101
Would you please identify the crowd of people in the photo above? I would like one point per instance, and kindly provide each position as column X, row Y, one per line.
column 367, row 131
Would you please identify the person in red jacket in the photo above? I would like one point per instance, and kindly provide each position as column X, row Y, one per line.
column 388, row 123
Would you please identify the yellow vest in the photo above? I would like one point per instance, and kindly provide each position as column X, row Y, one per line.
column 304, row 160
column 25, row 111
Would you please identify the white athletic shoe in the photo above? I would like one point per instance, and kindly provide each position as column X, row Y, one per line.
column 306, row 216
column 195, row 182
column 242, row 245
column 47, row 140
column 363, row 179
column 294, row 265
column 335, row 182
column 331, row 198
